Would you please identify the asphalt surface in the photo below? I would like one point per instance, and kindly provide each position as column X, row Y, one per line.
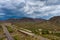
column 6, row 32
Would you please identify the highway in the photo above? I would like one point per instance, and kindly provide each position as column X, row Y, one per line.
column 6, row 32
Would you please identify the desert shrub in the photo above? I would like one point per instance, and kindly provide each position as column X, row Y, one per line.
column 36, row 31
column 10, row 29
column 45, row 32
column 15, row 38
column 2, row 38
column 57, row 34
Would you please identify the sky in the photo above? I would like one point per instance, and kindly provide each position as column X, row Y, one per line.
column 29, row 8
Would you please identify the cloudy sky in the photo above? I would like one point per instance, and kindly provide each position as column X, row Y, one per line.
column 29, row 8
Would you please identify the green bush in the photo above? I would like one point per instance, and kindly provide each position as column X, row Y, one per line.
column 16, row 37
column 36, row 32
column 45, row 32
column 10, row 29
column 57, row 34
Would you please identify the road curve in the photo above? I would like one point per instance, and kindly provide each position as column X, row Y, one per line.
column 9, row 37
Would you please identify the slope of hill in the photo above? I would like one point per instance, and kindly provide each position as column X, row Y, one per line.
column 55, row 20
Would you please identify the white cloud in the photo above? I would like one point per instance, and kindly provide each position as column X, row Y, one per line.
column 2, row 14
column 32, row 8
column 44, row 10
column 52, row 1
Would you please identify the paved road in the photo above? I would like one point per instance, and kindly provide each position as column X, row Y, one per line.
column 32, row 34
column 28, row 33
column 9, row 37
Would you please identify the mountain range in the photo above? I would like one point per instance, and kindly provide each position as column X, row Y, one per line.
column 55, row 19
column 51, row 24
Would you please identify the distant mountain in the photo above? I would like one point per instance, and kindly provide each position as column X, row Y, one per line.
column 51, row 24
column 25, row 19
column 55, row 19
